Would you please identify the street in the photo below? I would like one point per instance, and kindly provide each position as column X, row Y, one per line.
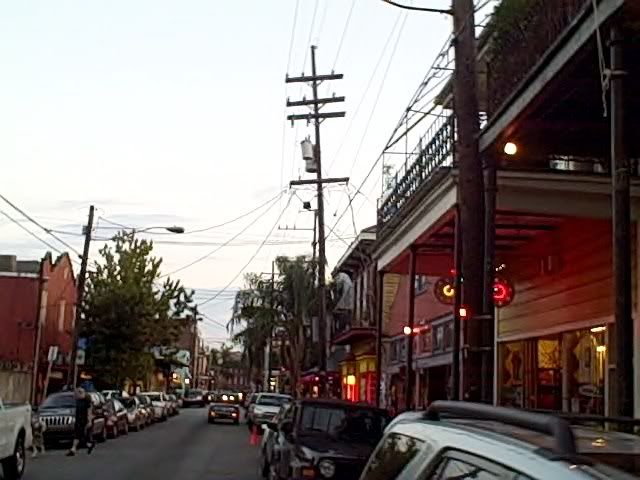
column 184, row 447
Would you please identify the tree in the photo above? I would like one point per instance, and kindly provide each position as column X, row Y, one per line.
column 260, row 312
column 252, row 320
column 128, row 310
column 297, row 303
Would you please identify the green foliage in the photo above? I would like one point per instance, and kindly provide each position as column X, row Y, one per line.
column 260, row 310
column 127, row 311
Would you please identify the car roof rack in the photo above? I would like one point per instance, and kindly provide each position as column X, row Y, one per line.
column 556, row 427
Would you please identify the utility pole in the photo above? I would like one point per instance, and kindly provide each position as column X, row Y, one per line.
column 621, row 203
column 470, row 194
column 82, row 276
column 316, row 103
column 267, row 350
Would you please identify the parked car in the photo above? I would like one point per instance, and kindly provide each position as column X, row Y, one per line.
column 58, row 412
column 250, row 400
column 318, row 438
column 159, row 404
column 147, row 407
column 224, row 411
column 469, row 440
column 194, row 397
column 136, row 413
column 109, row 394
column 172, row 403
column 15, row 438
column 266, row 406
column 116, row 418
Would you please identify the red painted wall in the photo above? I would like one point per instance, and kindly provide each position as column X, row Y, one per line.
column 18, row 317
column 426, row 307
column 61, row 290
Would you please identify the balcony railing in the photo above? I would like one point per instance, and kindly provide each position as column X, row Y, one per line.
column 521, row 33
column 434, row 151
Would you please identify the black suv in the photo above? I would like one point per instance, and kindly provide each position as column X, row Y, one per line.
column 58, row 413
column 316, row 438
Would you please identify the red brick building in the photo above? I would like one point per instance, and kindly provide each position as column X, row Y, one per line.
column 37, row 306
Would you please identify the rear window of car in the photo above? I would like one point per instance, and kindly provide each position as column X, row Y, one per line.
column 65, row 400
column 154, row 397
column 272, row 400
column 358, row 425
column 194, row 393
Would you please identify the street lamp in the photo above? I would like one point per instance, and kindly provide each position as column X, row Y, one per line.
column 171, row 229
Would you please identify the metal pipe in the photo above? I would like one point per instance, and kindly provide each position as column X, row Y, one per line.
column 410, row 323
column 455, row 367
column 379, row 320
column 621, row 219
column 488, row 310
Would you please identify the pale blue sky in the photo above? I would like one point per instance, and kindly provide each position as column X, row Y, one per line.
column 164, row 112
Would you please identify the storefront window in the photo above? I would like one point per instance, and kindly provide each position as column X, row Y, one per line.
column 549, row 388
column 512, row 374
column 585, row 356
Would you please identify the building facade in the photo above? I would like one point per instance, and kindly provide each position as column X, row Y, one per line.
column 37, row 301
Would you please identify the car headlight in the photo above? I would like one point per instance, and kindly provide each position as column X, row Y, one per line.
column 327, row 468
column 232, row 398
column 225, row 398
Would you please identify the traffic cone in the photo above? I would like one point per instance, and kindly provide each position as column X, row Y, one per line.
column 253, row 438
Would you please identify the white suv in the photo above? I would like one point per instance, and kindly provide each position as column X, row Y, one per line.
column 463, row 440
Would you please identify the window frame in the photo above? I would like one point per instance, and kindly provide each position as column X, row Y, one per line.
column 501, row 471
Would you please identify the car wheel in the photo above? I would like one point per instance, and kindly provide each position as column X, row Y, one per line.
column 13, row 467
column 212, row 421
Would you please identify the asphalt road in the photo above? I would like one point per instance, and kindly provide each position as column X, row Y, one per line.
column 185, row 447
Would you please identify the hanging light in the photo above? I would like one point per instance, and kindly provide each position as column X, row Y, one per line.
column 510, row 148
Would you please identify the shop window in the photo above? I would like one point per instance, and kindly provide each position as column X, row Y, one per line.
column 586, row 359
column 511, row 357
column 549, row 388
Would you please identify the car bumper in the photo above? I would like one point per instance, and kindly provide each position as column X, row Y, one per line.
column 224, row 416
column 66, row 435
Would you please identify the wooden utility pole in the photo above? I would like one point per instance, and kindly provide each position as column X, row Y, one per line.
column 267, row 350
column 82, row 276
column 316, row 103
column 470, row 193
column 621, row 218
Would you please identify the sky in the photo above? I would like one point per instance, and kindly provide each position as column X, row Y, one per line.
column 167, row 113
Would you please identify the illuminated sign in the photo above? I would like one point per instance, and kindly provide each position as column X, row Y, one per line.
column 445, row 292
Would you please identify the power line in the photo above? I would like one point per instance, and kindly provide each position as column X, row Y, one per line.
column 344, row 33
column 35, row 222
column 366, row 90
column 377, row 99
column 204, row 257
column 254, row 254
column 31, row 233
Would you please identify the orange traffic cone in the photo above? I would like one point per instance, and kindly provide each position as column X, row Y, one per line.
column 253, row 438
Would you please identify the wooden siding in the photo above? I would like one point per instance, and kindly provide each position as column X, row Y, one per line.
column 581, row 288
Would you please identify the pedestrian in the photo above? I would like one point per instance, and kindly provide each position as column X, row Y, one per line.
column 82, row 427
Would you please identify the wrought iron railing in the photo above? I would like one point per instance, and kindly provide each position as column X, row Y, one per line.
column 434, row 150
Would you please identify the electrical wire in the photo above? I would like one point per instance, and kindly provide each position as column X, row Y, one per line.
column 377, row 99
column 344, row 33
column 36, row 223
column 366, row 90
column 252, row 256
column 204, row 257
column 31, row 233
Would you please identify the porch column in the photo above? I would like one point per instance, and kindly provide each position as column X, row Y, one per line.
column 621, row 218
column 409, row 397
column 379, row 320
column 487, row 329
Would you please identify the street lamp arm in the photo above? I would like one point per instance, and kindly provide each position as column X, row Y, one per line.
column 418, row 9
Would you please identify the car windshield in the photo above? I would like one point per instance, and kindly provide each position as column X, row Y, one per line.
column 358, row 425
column 65, row 400
column 194, row 393
column 272, row 400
